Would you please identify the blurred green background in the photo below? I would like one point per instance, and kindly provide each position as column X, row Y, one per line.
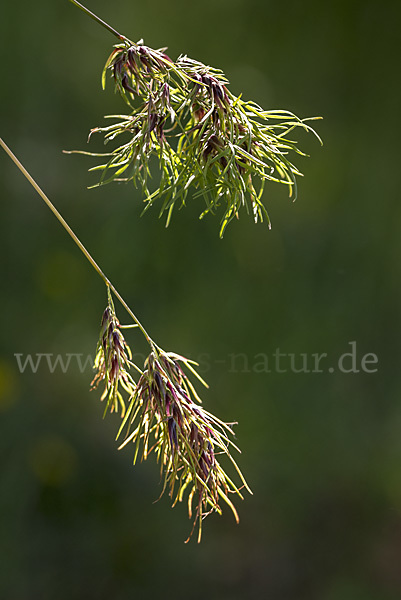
column 322, row 451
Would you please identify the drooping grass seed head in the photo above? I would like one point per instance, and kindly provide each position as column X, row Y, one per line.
column 204, row 137
column 112, row 361
column 166, row 419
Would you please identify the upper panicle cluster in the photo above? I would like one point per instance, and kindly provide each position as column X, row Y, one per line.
column 203, row 136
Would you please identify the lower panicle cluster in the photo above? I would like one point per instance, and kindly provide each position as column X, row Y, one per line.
column 162, row 414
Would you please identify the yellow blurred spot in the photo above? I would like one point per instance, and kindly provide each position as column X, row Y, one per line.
column 53, row 460
column 8, row 385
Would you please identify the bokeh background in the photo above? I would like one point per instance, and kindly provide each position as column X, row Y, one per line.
column 321, row 451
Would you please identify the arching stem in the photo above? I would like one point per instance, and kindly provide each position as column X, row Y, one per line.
column 100, row 21
column 77, row 241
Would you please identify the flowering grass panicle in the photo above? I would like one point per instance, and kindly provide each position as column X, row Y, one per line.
column 112, row 361
column 203, row 136
column 161, row 413
column 167, row 419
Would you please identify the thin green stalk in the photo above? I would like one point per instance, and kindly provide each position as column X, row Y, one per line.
column 76, row 240
column 98, row 20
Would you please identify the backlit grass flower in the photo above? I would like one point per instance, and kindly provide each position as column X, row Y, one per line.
column 204, row 138
column 166, row 418
column 162, row 414
column 112, row 362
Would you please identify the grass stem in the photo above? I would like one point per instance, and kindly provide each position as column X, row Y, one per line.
column 98, row 20
column 77, row 241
